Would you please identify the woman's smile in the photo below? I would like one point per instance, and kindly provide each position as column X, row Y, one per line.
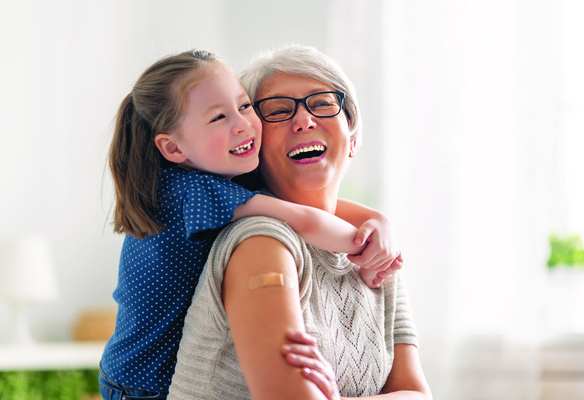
column 307, row 153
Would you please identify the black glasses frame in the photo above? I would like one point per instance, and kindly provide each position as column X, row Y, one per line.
column 341, row 95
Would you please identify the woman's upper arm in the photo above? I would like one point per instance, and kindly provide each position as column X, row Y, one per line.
column 258, row 318
column 406, row 373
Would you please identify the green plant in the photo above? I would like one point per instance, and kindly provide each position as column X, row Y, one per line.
column 567, row 251
column 48, row 385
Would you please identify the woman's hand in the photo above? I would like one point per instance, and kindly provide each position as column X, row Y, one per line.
column 381, row 257
column 304, row 353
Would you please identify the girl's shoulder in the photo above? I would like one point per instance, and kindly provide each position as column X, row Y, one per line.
column 179, row 178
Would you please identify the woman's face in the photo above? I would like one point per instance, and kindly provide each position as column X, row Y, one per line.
column 305, row 155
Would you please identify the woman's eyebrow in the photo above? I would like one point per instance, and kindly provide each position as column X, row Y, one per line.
column 312, row 91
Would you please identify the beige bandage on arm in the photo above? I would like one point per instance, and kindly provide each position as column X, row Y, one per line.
column 271, row 279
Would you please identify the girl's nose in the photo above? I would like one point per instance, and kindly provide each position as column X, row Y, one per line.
column 241, row 125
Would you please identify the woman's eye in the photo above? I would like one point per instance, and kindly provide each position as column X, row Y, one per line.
column 279, row 111
column 218, row 117
column 321, row 104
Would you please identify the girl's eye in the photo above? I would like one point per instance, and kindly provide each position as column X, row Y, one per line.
column 218, row 117
column 245, row 106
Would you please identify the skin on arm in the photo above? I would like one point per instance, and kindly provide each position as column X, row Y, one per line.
column 317, row 227
column 354, row 213
column 405, row 382
column 406, row 379
column 260, row 318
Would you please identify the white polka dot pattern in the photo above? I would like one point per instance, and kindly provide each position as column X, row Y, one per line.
column 158, row 276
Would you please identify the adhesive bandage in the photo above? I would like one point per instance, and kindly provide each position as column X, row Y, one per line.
column 271, row 279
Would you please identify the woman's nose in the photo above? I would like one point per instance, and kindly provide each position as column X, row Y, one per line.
column 303, row 121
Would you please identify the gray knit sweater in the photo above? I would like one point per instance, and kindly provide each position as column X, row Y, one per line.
column 356, row 327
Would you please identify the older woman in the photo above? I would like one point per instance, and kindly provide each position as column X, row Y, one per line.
column 262, row 281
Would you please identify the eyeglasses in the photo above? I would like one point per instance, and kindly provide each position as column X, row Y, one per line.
column 281, row 108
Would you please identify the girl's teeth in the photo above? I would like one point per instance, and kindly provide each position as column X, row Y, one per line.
column 242, row 149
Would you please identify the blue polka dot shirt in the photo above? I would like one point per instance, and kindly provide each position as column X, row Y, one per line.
column 158, row 276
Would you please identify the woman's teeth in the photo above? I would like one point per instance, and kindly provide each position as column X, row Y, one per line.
column 243, row 148
column 318, row 148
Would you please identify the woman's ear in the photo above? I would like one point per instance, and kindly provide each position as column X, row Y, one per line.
column 167, row 145
column 352, row 148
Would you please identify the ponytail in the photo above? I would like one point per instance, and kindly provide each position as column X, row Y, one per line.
column 134, row 177
column 154, row 106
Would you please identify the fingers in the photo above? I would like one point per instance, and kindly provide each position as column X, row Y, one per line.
column 303, row 353
column 374, row 256
column 362, row 234
column 370, row 277
column 327, row 387
column 375, row 276
column 398, row 263
column 303, row 358
column 301, row 337
column 378, row 263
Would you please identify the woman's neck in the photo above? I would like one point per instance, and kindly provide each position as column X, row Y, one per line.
column 323, row 199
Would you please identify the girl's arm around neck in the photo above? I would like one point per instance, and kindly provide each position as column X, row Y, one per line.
column 355, row 213
column 259, row 319
column 317, row 227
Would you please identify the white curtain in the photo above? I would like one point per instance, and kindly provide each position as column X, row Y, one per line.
column 473, row 110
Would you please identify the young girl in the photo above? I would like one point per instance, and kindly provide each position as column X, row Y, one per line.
column 183, row 132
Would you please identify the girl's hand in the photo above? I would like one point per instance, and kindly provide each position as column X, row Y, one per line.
column 304, row 353
column 374, row 277
column 381, row 253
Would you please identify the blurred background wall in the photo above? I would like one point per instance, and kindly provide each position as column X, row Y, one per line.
column 473, row 140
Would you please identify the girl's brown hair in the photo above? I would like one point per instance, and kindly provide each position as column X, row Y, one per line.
column 154, row 106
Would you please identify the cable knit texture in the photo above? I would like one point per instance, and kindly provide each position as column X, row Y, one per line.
column 356, row 327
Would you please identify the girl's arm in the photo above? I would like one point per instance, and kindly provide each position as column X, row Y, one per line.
column 259, row 318
column 357, row 214
column 317, row 227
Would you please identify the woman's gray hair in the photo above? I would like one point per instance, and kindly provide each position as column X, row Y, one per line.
column 308, row 62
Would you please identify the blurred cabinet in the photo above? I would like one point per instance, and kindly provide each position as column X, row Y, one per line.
column 490, row 369
column 51, row 356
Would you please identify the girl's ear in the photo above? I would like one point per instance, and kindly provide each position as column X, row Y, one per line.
column 169, row 149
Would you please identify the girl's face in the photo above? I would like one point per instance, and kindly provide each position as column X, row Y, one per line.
column 220, row 132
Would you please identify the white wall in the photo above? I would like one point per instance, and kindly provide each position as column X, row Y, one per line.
column 66, row 66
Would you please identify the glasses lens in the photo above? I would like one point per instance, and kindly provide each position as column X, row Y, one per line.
column 324, row 104
column 274, row 110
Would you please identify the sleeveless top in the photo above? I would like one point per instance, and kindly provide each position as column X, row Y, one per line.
column 356, row 327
